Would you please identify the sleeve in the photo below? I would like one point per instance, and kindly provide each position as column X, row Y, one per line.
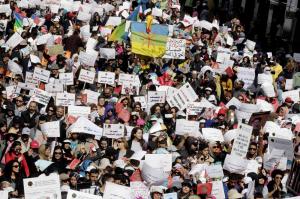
column 25, row 165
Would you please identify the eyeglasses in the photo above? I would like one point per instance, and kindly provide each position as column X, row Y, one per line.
column 214, row 147
column 278, row 177
column 51, row 110
column 15, row 166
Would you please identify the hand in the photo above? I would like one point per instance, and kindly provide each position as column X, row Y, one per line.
column 115, row 145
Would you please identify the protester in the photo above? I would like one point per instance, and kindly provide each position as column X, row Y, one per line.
column 144, row 99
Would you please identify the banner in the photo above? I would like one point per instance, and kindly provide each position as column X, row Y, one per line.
column 175, row 49
column 113, row 130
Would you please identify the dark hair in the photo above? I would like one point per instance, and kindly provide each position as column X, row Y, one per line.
column 105, row 177
column 277, row 172
column 13, row 146
column 9, row 168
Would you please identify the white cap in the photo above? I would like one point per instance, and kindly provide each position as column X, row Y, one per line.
column 34, row 59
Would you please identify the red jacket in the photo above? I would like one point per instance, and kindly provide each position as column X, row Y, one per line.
column 12, row 156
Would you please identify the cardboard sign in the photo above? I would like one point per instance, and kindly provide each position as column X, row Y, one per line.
column 142, row 100
column 212, row 134
column 127, row 79
column 107, row 53
column 65, row 99
column 130, row 89
column 195, row 108
column 83, row 125
column 87, row 76
column 55, row 50
column 42, row 187
column 183, row 97
column 29, row 78
column 215, row 171
column 41, row 74
column 14, row 40
column 106, row 77
column 218, row 189
column 4, row 194
column 294, row 94
column 92, row 97
column 66, row 78
column 235, row 164
column 53, row 89
column 72, row 194
column 155, row 160
column 139, row 190
column 242, row 141
column 51, row 129
column 88, row 58
column 41, row 97
column 175, row 49
column 11, row 92
column 113, row 130
column 247, row 75
column 79, row 111
column 115, row 191
column 185, row 126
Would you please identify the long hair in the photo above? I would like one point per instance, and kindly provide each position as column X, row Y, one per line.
column 133, row 132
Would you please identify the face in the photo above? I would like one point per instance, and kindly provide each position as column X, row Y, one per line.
column 18, row 149
column 278, row 179
column 101, row 102
column 103, row 144
column 137, row 108
column 139, row 134
column 157, row 109
column 32, row 107
column 252, row 149
column 16, row 167
column 185, row 189
column 19, row 101
column 3, row 129
column 73, row 181
column 58, row 154
column 120, row 144
column 157, row 196
column 51, row 111
column 59, row 112
column 93, row 177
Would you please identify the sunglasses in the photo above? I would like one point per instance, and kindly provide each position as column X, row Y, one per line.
column 119, row 141
column 16, row 166
column 214, row 147
column 278, row 177
column 51, row 110
column 253, row 149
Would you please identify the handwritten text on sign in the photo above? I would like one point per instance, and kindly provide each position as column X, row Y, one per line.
column 175, row 49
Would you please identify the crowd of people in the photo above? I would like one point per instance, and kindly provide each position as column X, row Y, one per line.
column 95, row 134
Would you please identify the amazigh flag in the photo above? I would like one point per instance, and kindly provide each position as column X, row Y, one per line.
column 149, row 40
column 118, row 33
column 18, row 21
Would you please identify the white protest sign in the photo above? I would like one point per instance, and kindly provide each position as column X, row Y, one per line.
column 130, row 89
column 5, row 8
column 92, row 96
column 127, row 79
column 164, row 160
column 247, row 75
column 53, row 89
column 116, row 191
column 91, row 43
column 183, row 97
column 250, row 45
column 51, row 129
column 66, row 78
column 293, row 94
column 153, row 175
column 175, row 49
column 194, row 108
column 42, row 187
column 185, row 126
column 11, row 92
column 113, row 21
column 223, row 57
column 113, row 130
column 142, row 100
column 248, row 108
column 83, row 16
column 215, row 171
column 14, row 40
column 139, row 190
column 85, row 35
column 235, row 102
column 157, row 12
column 72, row 194
column 241, row 115
column 79, row 111
column 235, row 164
column 83, row 125
column 26, row 88
column 4, row 194
column 242, row 140
column 262, row 78
column 154, row 97
column 65, row 99
column 172, row 195
column 41, row 97
column 106, row 77
column 268, row 89
column 40, row 74
column 86, row 76
column 107, row 53
column 289, row 84
column 218, row 189
column 296, row 57
column 212, row 134
column 88, row 58
column 29, row 78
